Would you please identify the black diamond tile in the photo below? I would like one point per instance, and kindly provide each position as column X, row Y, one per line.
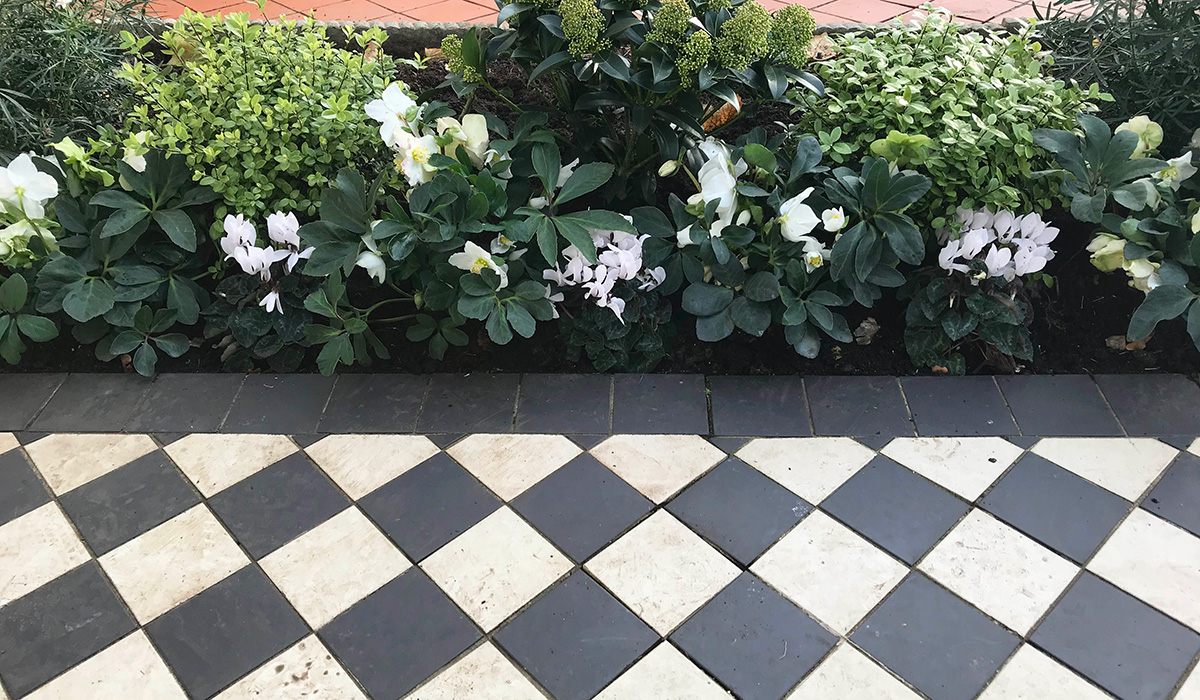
column 124, row 503
column 27, row 436
column 858, row 406
column 25, row 395
column 1179, row 442
column 194, row 403
column 429, row 505
column 279, row 403
column 901, row 511
column 564, row 403
column 444, row 440
column 582, row 507
column 1023, row 441
column 225, row 632
column 729, row 445
column 278, row 504
column 1066, row 512
column 660, row 403
column 1068, row 404
column 958, row 406
column 46, row 632
column 21, row 490
column 1128, row 648
column 587, row 442
column 875, row 442
column 755, row 406
column 738, row 509
column 1176, row 497
column 753, row 640
column 305, row 440
column 374, row 403
column 92, row 402
column 398, row 636
column 576, row 639
column 935, row 641
column 473, row 403
column 165, row 439
column 1153, row 404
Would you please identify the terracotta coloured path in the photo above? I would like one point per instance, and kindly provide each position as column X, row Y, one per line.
column 485, row 10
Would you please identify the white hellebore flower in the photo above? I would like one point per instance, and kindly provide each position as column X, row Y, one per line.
column 815, row 254
column 566, row 171
column 392, row 112
column 797, row 219
column 22, row 184
column 413, row 153
column 668, row 168
column 1149, row 134
column 1143, row 274
column 1177, row 170
column 475, row 259
column 271, row 302
column 834, row 220
column 1196, row 223
column 471, row 135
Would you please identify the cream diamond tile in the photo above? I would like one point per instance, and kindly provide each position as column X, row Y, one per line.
column 484, row 674
column 848, row 674
column 1195, row 449
column 1191, row 687
column 8, row 441
column 496, row 567
column 966, row 466
column 1155, row 561
column 830, row 571
column 658, row 465
column 333, row 566
column 664, row 674
column 812, row 468
column 362, row 463
column 509, row 464
column 305, row 671
column 127, row 670
column 35, row 549
column 1125, row 466
column 1031, row 675
column 173, row 562
column 999, row 570
column 214, row 462
column 662, row 570
column 69, row 460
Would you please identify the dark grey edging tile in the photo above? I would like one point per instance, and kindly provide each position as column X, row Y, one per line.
column 24, row 396
column 957, row 406
column 1153, row 404
column 1058, row 405
column 564, row 403
column 279, row 403
column 758, row 406
column 868, row 407
column 92, row 403
column 374, row 403
column 660, row 403
column 470, row 403
column 189, row 403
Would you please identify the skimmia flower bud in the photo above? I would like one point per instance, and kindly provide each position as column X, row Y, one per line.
column 791, row 33
column 692, row 57
column 582, row 24
column 743, row 39
column 670, row 23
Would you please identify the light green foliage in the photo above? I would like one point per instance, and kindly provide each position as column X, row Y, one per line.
column 265, row 114
column 582, row 22
column 791, row 33
column 977, row 96
column 743, row 39
column 692, row 57
column 670, row 23
column 452, row 49
column 718, row 5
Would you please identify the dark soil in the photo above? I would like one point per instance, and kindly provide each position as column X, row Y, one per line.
column 1072, row 320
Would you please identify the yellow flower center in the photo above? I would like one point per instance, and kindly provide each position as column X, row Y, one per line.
column 420, row 154
column 1169, row 173
column 815, row 259
column 480, row 265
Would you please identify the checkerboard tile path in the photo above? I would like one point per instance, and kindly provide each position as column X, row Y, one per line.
column 629, row 567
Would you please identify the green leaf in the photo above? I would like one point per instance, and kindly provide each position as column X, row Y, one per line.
column 752, row 317
column 761, row 286
column 521, row 320
column 957, row 324
column 903, row 191
column 1193, row 324
column 126, row 341
column 549, row 63
column 1162, row 304
column 13, row 294
column 136, row 275
column 804, row 339
column 318, row 303
column 39, row 329
column 701, row 299
column 903, row 236
column 547, row 241
column 652, row 221
column 546, row 163
column 88, row 298
column 476, row 307
column 758, row 156
column 178, row 227
column 497, row 326
column 710, row 329
column 115, row 199
column 332, row 256
column 144, row 360
column 586, row 178
column 337, row 349
column 1089, row 208
column 174, row 344
column 123, row 220
column 473, row 285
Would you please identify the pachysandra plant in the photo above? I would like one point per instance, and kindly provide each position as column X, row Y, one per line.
column 637, row 80
column 980, row 293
